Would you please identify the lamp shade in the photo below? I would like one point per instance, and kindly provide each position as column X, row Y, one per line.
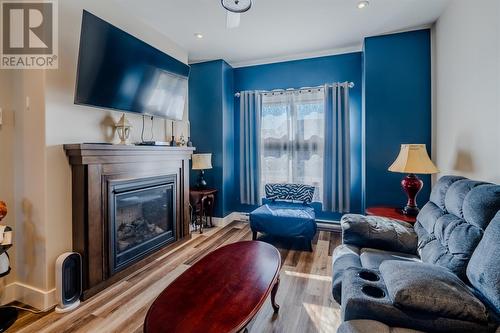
column 202, row 161
column 413, row 158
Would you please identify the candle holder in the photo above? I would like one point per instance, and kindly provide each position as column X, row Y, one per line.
column 189, row 143
column 173, row 143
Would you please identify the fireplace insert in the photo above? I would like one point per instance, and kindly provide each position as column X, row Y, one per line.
column 142, row 215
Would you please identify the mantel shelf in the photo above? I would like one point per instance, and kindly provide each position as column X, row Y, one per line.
column 87, row 153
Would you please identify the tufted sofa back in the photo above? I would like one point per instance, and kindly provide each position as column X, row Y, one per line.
column 451, row 224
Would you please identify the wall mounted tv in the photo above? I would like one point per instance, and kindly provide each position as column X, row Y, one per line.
column 119, row 71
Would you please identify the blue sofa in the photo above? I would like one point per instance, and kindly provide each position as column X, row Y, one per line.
column 287, row 211
column 440, row 275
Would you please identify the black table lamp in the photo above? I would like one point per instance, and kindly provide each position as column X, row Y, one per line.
column 202, row 162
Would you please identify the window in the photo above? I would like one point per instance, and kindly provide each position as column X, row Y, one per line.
column 292, row 139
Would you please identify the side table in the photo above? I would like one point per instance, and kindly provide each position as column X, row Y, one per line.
column 202, row 206
column 390, row 212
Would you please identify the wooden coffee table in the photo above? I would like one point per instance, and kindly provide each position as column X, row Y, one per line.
column 220, row 293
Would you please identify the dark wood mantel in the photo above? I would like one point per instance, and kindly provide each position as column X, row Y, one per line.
column 93, row 166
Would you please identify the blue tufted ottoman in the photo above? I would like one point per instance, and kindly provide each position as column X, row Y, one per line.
column 280, row 216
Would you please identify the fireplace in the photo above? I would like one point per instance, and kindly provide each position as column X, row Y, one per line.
column 142, row 218
column 130, row 207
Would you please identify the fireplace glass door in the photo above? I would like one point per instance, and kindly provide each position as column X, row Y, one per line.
column 142, row 219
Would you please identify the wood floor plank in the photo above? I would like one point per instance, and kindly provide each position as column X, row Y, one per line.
column 316, row 238
column 292, row 258
column 212, row 246
column 304, row 293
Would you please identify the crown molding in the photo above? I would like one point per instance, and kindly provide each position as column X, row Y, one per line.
column 402, row 30
column 297, row 56
column 291, row 57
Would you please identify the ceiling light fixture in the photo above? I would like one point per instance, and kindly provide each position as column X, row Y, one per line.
column 198, row 35
column 363, row 4
column 236, row 6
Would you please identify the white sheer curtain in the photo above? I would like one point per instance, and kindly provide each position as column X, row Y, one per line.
column 292, row 138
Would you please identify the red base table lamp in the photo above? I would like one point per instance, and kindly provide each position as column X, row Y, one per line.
column 413, row 159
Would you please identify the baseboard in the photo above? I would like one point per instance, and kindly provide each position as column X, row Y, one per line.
column 8, row 293
column 234, row 216
column 37, row 298
column 331, row 227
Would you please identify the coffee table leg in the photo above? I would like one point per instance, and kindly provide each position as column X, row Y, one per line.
column 276, row 307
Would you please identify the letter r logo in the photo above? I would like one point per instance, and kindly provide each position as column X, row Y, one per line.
column 27, row 28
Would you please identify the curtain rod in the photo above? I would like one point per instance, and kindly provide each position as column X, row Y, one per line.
column 349, row 84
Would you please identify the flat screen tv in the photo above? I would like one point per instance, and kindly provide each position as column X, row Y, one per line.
column 119, row 71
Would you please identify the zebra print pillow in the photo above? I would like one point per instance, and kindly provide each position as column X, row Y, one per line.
column 296, row 192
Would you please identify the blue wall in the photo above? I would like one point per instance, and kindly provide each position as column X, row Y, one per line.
column 308, row 73
column 397, row 109
column 390, row 105
column 211, row 116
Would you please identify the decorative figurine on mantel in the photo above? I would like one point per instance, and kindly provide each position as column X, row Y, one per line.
column 8, row 315
column 123, row 128
column 182, row 141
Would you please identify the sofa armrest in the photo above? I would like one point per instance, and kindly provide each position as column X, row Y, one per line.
column 371, row 326
column 343, row 257
column 379, row 233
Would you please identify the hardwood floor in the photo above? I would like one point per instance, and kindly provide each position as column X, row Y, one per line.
column 304, row 293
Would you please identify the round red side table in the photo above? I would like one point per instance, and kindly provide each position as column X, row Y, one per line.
column 391, row 212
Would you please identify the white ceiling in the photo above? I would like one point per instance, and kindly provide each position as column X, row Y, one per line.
column 280, row 29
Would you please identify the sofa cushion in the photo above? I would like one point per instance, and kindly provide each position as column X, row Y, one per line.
column 455, row 196
column 430, row 288
column 438, row 193
column 428, row 216
column 295, row 192
column 284, row 219
column 372, row 258
column 481, row 205
column 451, row 224
column 378, row 232
column 483, row 270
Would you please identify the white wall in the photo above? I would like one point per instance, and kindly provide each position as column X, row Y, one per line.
column 467, row 90
column 42, row 172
